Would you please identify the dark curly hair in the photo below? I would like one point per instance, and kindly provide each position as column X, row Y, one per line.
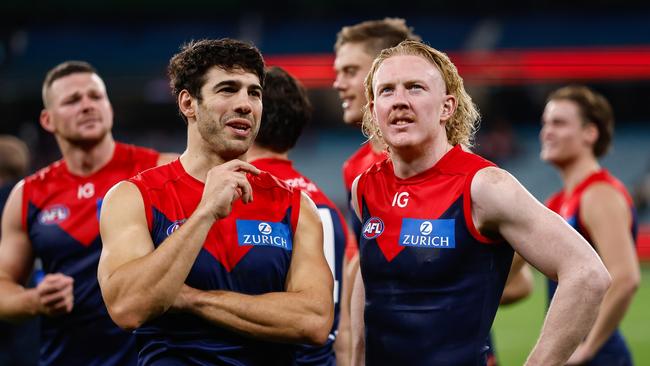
column 187, row 69
column 286, row 111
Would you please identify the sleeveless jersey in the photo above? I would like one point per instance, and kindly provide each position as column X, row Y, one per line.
column 359, row 162
column 614, row 351
column 60, row 215
column 247, row 252
column 433, row 282
column 336, row 244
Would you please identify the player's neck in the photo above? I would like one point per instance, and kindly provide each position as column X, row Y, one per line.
column 577, row 170
column 86, row 160
column 257, row 152
column 413, row 161
column 377, row 146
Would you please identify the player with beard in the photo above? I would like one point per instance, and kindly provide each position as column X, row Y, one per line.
column 210, row 260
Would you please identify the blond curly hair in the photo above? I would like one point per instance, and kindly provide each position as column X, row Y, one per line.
column 461, row 126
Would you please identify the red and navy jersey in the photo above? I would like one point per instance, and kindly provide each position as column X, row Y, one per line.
column 248, row 252
column 359, row 162
column 433, row 282
column 567, row 205
column 336, row 245
column 60, row 215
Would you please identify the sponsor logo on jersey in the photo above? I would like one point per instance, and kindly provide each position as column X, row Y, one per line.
column 301, row 183
column 401, row 199
column 264, row 233
column 174, row 226
column 372, row 228
column 428, row 233
column 53, row 215
column 85, row 191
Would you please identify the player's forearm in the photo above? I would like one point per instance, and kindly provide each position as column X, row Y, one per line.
column 16, row 302
column 612, row 310
column 343, row 346
column 571, row 314
column 518, row 287
column 147, row 287
column 280, row 316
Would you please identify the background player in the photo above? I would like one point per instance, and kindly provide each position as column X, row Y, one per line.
column 286, row 112
column 577, row 129
column 434, row 270
column 356, row 47
column 209, row 259
column 53, row 215
column 17, row 341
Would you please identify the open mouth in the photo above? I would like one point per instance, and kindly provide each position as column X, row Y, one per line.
column 346, row 102
column 241, row 127
column 401, row 120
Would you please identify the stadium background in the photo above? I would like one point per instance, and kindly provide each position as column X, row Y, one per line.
column 511, row 54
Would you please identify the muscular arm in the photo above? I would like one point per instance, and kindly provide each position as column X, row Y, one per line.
column 607, row 218
column 53, row 296
column 520, row 282
column 303, row 313
column 139, row 283
column 16, row 261
column 502, row 207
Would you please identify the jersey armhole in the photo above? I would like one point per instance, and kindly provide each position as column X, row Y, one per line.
column 295, row 208
column 146, row 200
column 467, row 211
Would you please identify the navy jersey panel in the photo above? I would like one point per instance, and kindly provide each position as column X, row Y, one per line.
column 432, row 287
column 614, row 351
column 61, row 218
column 248, row 252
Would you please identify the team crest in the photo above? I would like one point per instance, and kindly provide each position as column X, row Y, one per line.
column 54, row 215
column 373, row 228
column 174, row 226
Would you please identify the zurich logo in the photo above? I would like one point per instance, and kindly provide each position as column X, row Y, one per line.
column 373, row 228
column 264, row 228
column 53, row 215
column 426, row 228
column 174, row 226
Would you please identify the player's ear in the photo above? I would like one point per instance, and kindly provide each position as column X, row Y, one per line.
column 186, row 104
column 449, row 105
column 590, row 133
column 46, row 121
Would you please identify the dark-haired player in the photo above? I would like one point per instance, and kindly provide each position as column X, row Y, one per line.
column 210, row 260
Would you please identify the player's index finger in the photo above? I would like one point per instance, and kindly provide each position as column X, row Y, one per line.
column 246, row 167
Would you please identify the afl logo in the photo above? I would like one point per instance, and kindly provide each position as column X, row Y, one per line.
column 53, row 215
column 373, row 228
column 264, row 228
column 174, row 226
column 426, row 228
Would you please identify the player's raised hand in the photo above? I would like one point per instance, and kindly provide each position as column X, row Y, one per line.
column 55, row 294
column 224, row 184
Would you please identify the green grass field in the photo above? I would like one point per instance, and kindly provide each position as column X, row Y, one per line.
column 516, row 327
